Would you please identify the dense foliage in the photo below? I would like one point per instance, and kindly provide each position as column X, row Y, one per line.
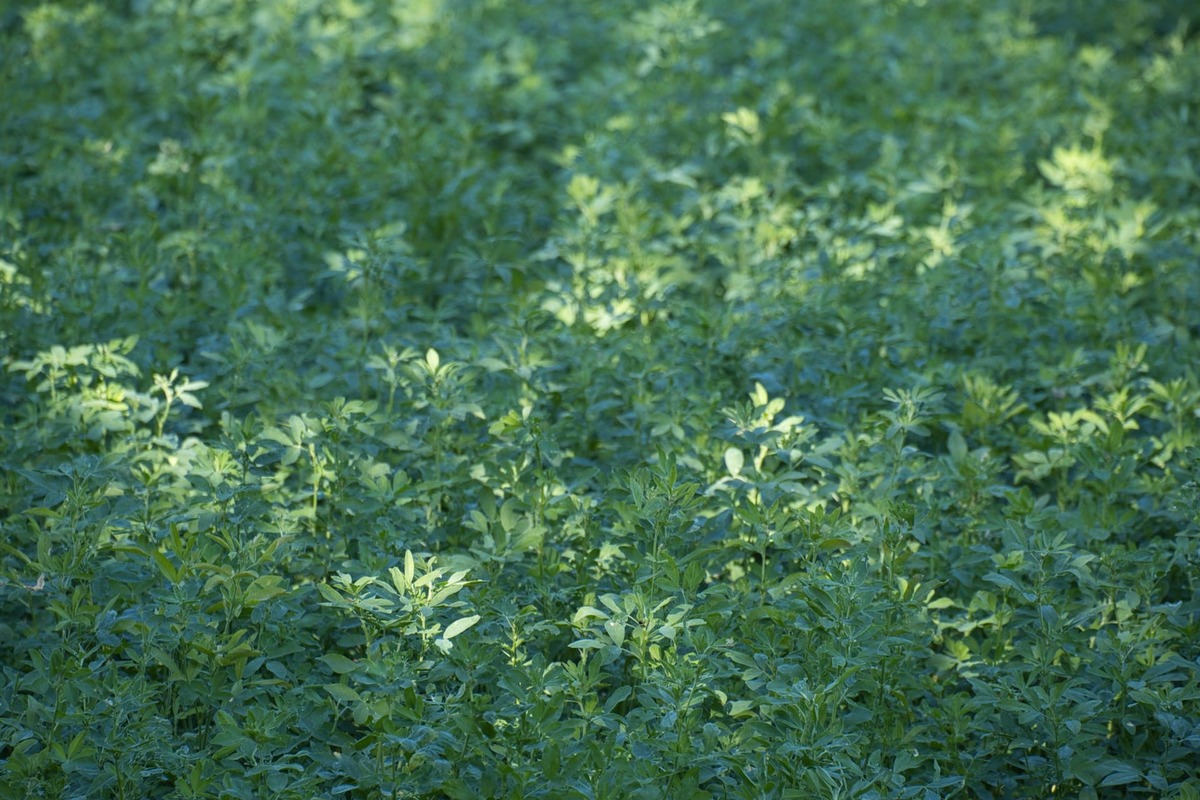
column 684, row 399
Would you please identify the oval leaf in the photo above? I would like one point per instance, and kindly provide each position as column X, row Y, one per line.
column 586, row 644
column 341, row 691
column 338, row 663
column 459, row 625
column 734, row 461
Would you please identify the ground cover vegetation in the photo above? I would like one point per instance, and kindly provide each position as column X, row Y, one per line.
column 678, row 399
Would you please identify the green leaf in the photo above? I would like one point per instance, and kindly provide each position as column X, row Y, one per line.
column 734, row 461
column 508, row 514
column 1117, row 773
column 741, row 708
column 169, row 571
column 587, row 644
column 957, row 446
column 330, row 594
column 459, row 625
column 338, row 663
column 551, row 760
column 342, row 693
column 264, row 587
column 587, row 612
column 617, row 697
